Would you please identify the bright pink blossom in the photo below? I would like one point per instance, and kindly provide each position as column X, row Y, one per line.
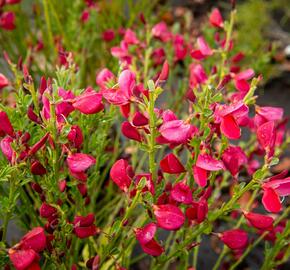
column 168, row 216
column 233, row 158
column 89, row 102
column 203, row 50
column 7, row 20
column 197, row 211
column 35, row 239
column 161, row 32
column 5, row 124
column 216, row 19
column 24, row 259
column 259, row 221
column 121, row 173
column 80, row 162
column 3, row 81
column 170, row 164
column 130, row 131
column 182, row 193
column 235, row 239
column 103, row 77
column 84, row 226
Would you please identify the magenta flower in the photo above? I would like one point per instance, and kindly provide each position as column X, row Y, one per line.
column 89, row 102
column 75, row 136
column 216, row 19
column 80, row 162
column 23, row 259
column 181, row 193
column 7, row 20
column 130, row 131
column 266, row 135
column 145, row 236
column 139, row 120
column 235, row 239
column 108, row 35
column 37, row 168
column 35, row 239
column 203, row 50
column 170, row 164
column 197, row 75
column 177, row 131
column 197, row 211
column 3, row 81
column 241, row 80
column 149, row 182
column 168, row 216
column 160, row 31
column 121, row 173
column 5, row 124
column 46, row 210
column 259, row 221
column 104, row 77
column 276, row 187
column 205, row 163
column 233, row 158
column 84, row 226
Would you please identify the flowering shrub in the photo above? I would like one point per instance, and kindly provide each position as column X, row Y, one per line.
column 187, row 159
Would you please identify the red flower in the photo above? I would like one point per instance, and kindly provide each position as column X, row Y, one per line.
column 139, row 120
column 145, row 236
column 75, row 136
column 216, row 19
column 233, row 158
column 84, row 227
column 80, row 162
column 169, row 217
column 24, row 259
column 170, row 164
column 104, row 77
column 7, row 20
column 89, row 102
column 3, row 81
column 241, row 79
column 108, row 35
column 5, row 125
column 37, row 168
column 203, row 50
column 121, row 173
column 46, row 210
column 197, row 75
column 177, row 131
column 266, row 135
column 197, row 211
column 182, row 193
column 130, row 132
column 235, row 239
column 35, row 239
column 259, row 221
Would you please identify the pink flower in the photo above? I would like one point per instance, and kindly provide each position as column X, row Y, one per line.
column 235, row 239
column 233, row 158
column 259, row 221
column 197, row 211
column 7, row 20
column 130, row 37
column 145, row 236
column 122, row 173
column 197, row 75
column 5, row 124
column 123, row 94
column 180, row 47
column 170, row 164
column 75, row 136
column 3, row 81
column 37, row 168
column 108, row 35
column 84, row 226
column 46, row 210
column 266, row 135
column 6, row 148
column 181, row 193
column 139, row 120
column 204, row 164
column 216, row 19
column 103, row 77
column 35, row 239
column 275, row 187
column 38, row 145
column 203, row 50
column 241, row 79
column 80, row 162
column 89, row 102
column 130, row 131
column 24, row 259
column 176, row 131
column 149, row 182
column 161, row 32
column 164, row 72
column 168, row 216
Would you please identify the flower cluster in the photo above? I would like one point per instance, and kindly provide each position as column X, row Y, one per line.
column 94, row 183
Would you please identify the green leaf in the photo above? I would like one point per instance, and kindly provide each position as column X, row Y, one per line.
column 274, row 161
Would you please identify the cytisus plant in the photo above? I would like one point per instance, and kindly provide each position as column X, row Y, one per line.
column 167, row 154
